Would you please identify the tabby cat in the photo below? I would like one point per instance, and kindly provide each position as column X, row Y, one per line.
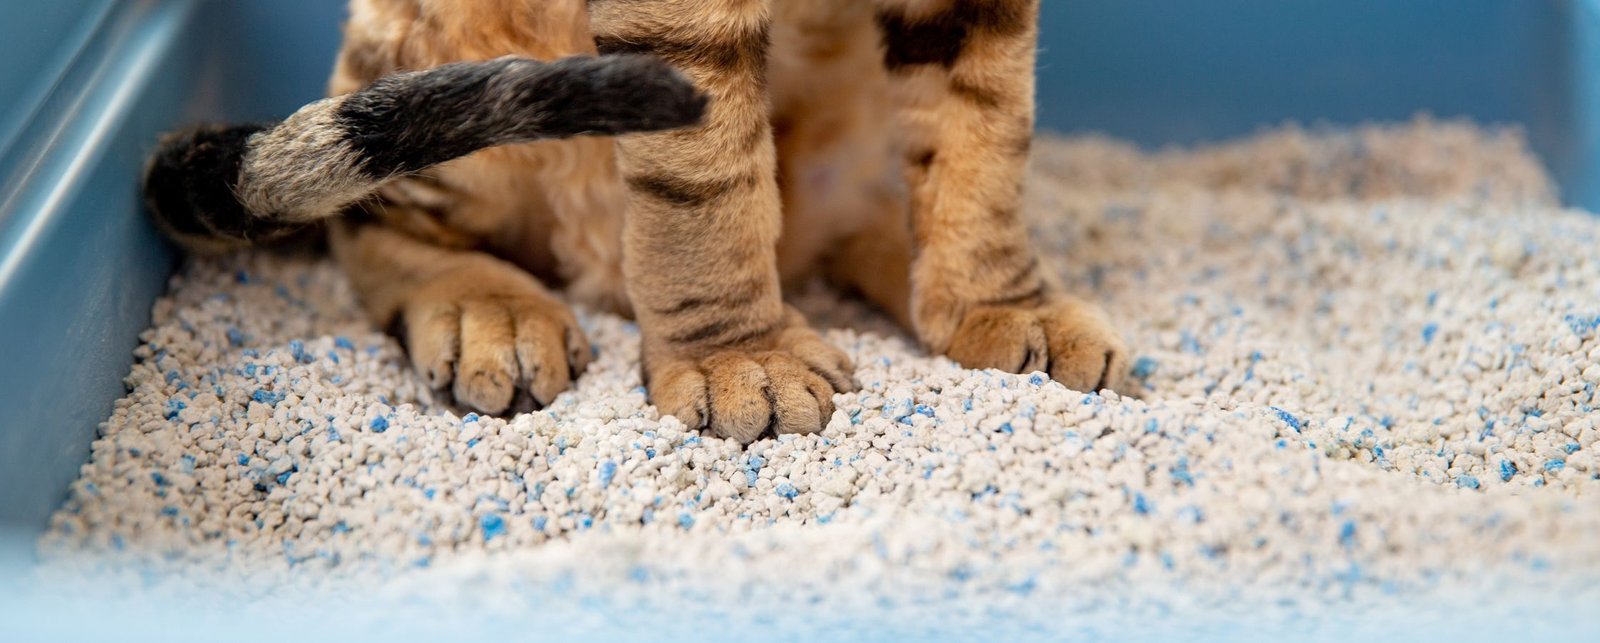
column 880, row 144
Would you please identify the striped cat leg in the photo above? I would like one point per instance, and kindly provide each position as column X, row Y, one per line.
column 720, row 348
column 963, row 77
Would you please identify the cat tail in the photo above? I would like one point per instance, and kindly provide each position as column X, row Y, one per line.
column 219, row 187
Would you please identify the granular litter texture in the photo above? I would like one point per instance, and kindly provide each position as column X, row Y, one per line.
column 1365, row 366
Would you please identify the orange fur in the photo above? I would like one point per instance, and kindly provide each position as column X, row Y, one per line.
column 901, row 182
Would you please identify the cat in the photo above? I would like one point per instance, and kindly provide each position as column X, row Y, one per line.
column 880, row 144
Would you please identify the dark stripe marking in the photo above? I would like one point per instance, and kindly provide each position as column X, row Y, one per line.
column 940, row 38
column 681, row 192
column 983, row 97
column 721, row 333
column 742, row 297
column 742, row 52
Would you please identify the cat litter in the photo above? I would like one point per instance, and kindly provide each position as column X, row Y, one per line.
column 1365, row 366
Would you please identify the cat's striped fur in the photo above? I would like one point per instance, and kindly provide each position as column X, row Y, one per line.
column 878, row 143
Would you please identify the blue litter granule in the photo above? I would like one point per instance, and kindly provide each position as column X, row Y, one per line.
column 923, row 409
column 1555, row 465
column 539, row 522
column 492, row 525
column 174, row 407
column 1347, row 534
column 608, row 470
column 160, row 480
column 333, row 357
column 1180, row 473
column 297, row 349
column 169, row 511
column 1507, row 469
column 1581, row 325
column 1152, row 426
column 186, row 464
column 379, row 424
column 1037, row 379
column 1006, row 428
column 787, row 490
column 1571, row 448
column 1144, row 367
column 472, row 443
column 283, row 478
column 1289, row 419
column 241, row 277
column 236, row 337
column 343, row 343
column 685, row 520
column 1189, row 344
column 269, row 398
column 249, row 370
column 470, row 418
column 1140, row 505
column 341, row 528
column 1428, row 333
column 1468, row 482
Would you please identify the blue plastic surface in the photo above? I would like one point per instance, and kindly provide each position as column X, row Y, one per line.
column 90, row 83
column 40, row 38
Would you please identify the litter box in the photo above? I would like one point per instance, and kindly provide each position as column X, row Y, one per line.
column 90, row 83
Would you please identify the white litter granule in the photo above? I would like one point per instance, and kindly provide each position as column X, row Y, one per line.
column 1365, row 365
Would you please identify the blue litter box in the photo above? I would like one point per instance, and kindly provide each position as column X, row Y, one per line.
column 88, row 85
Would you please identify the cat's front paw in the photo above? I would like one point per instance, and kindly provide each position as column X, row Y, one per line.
column 487, row 337
column 776, row 385
column 1070, row 340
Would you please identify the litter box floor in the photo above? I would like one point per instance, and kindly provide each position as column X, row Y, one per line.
column 1366, row 364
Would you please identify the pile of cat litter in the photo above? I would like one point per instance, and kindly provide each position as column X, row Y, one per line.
column 1365, row 367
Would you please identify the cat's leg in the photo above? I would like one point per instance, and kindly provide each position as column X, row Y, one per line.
column 963, row 77
column 720, row 348
column 473, row 324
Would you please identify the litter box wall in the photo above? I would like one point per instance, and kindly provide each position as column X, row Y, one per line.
column 79, row 267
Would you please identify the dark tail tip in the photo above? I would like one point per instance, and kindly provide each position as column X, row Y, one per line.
column 189, row 187
column 626, row 93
